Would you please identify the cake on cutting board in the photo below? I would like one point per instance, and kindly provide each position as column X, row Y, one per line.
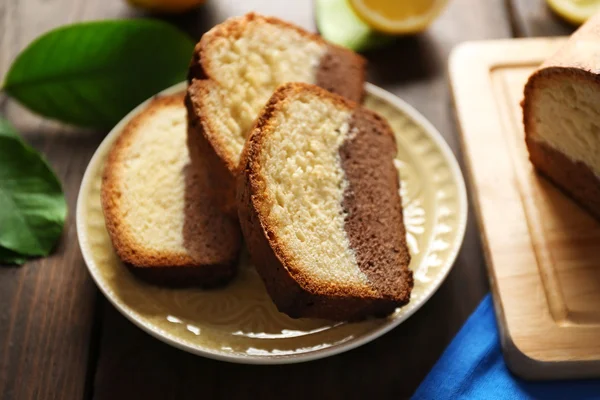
column 562, row 119
column 541, row 246
column 320, row 208
column 159, row 213
column 235, row 68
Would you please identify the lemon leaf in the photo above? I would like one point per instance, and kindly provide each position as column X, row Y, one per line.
column 10, row 257
column 32, row 205
column 92, row 74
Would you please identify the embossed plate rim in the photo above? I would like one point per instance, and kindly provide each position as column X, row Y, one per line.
column 456, row 244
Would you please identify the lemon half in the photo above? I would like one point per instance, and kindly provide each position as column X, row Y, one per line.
column 575, row 11
column 398, row 16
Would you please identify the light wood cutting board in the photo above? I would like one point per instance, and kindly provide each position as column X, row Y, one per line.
column 542, row 250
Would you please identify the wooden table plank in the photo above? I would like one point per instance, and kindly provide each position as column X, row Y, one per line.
column 132, row 364
column 535, row 18
column 47, row 305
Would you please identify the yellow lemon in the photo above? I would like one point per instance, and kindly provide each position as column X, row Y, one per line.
column 166, row 6
column 398, row 16
column 575, row 11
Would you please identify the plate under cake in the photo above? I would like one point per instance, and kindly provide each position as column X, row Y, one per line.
column 239, row 323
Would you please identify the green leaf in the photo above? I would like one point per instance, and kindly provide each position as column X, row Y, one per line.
column 10, row 257
column 92, row 74
column 7, row 130
column 339, row 24
column 32, row 205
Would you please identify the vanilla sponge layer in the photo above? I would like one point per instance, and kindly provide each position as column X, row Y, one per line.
column 305, row 185
column 151, row 173
column 567, row 118
column 247, row 69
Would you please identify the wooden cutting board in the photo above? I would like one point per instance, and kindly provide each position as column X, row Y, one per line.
column 542, row 250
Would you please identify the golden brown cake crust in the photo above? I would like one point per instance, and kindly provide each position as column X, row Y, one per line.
column 341, row 71
column 578, row 59
column 295, row 293
column 205, row 264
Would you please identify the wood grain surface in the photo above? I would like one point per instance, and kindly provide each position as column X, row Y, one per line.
column 48, row 305
column 59, row 339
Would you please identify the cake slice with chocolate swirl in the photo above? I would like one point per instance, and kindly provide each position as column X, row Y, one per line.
column 320, row 207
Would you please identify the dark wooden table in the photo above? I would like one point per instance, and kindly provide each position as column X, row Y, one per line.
column 60, row 339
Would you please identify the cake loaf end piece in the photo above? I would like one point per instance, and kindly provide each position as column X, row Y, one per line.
column 561, row 117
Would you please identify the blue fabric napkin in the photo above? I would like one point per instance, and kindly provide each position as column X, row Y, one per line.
column 472, row 367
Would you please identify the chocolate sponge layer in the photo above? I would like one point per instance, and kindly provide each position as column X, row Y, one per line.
column 374, row 222
column 342, row 72
column 574, row 178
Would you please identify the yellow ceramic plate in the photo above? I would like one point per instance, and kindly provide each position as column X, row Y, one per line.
column 239, row 323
